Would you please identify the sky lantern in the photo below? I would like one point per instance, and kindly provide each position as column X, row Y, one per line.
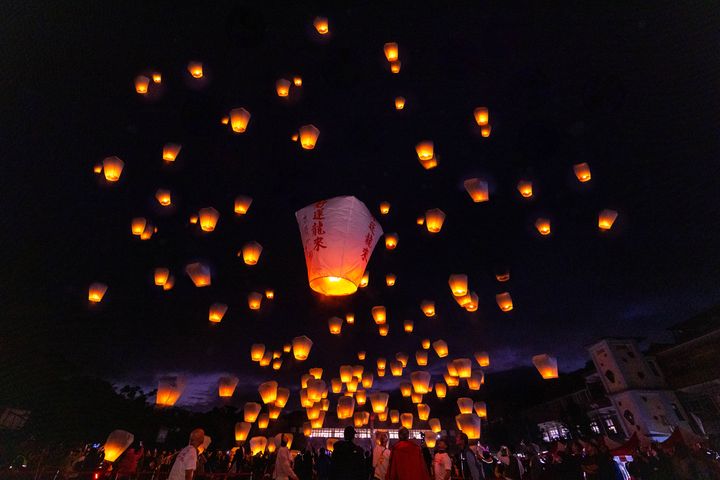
column 546, row 365
column 450, row 380
column 480, row 409
column 263, row 421
column 227, row 385
column 297, row 80
column 423, row 411
column 399, row 103
column 208, row 218
column 408, row 326
column 315, row 389
column 473, row 303
column 360, row 397
column 335, row 325
column 405, row 389
column 117, row 442
column 428, row 308
column 336, row 385
column 421, row 358
column 365, row 280
column 112, row 168
column 430, row 439
column 169, row 391
column 137, row 225
column 193, row 219
column 316, row 373
column 406, row 420
column 97, row 168
column 451, row 368
column 308, row 136
column 383, row 329
column 163, row 196
column 381, row 362
column 277, row 354
column 382, row 416
column 171, row 151
column 338, row 237
column 157, row 77
column 435, row 425
column 318, row 422
column 217, row 312
column 141, row 84
column 458, row 284
column 258, row 445
column 606, row 219
column 502, row 275
column 440, row 390
column 301, row 347
column 420, row 381
column 148, row 232
column 396, row 368
column 345, row 407
column 357, row 371
column 294, row 137
column 425, row 343
column 283, row 395
column 282, row 87
column 434, row 220
column 321, row 25
column 346, row 373
column 195, row 69
column 403, row 358
column 482, row 116
column 482, row 358
column 325, row 404
column 254, row 300
column 420, row 220
column 425, row 150
column 476, row 380
column 242, row 429
column 463, row 367
column 242, row 204
column 391, row 240
column 268, row 391
column 469, row 424
column 416, row 398
column 477, row 189
column 525, row 188
column 465, row 404
column 361, row 355
column 169, row 284
column 395, row 66
column 257, row 350
column 391, row 51
column 270, row 294
column 350, row 318
column 251, row 410
column 225, row 119
column 504, row 301
column 367, row 379
column 307, row 429
column 239, row 119
column 485, row 131
column 394, row 416
column 384, row 208
column 379, row 314
column 266, row 359
column 287, row 348
column 273, row 411
column 441, row 348
column 429, row 164
column 543, row 226
column 379, row 401
column 251, row 252
column 330, row 444
column 582, row 172
column 96, row 292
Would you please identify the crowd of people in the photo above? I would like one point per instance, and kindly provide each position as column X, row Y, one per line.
column 450, row 458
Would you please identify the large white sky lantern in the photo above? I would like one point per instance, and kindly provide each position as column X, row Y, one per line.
column 338, row 237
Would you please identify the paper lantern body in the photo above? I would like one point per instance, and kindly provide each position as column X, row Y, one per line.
column 477, row 189
column 338, row 237
column 420, row 382
column 582, row 172
column 482, row 358
column 169, row 391
column 423, row 411
column 435, row 425
column 268, row 391
column 199, row 273
column 345, row 407
column 227, row 385
column 428, row 308
column 379, row 401
column 195, row 69
column 112, row 168
column 425, row 150
column 171, row 151
column 434, row 220
column 164, row 197
column 606, row 219
column 546, row 365
column 399, row 103
column 321, row 25
column 208, row 218
column 421, row 358
column 458, row 283
column 480, row 409
column 242, row 429
column 335, row 325
column 282, row 87
column 301, row 347
column 308, row 136
column 391, row 51
column 258, row 445
column 543, row 226
column 242, row 204
column 217, row 312
column 406, row 420
column 469, row 424
column 525, row 188
column 117, row 442
column 440, row 390
column 482, row 116
column 251, row 253
column 504, row 301
column 96, row 292
column 441, row 348
column 251, row 410
column 141, row 84
column 239, row 119
column 257, row 350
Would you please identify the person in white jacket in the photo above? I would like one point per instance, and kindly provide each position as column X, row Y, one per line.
column 380, row 456
column 283, row 463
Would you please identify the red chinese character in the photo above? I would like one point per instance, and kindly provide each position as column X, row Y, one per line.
column 368, row 239
column 317, row 228
column 365, row 253
column 318, row 214
column 318, row 243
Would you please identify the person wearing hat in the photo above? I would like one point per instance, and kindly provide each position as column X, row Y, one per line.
column 347, row 461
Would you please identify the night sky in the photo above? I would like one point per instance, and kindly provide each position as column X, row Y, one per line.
column 632, row 91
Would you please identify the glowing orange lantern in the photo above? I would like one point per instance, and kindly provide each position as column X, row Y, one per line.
column 384, row 208
column 504, row 301
column 606, row 219
column 365, row 280
column 141, row 84
column 361, row 355
column 440, row 390
column 227, row 385
column 96, row 292
column 169, row 284
column 383, row 329
column 396, row 368
column 379, row 401
column 441, row 348
column 257, row 350
column 251, row 252
column 543, row 226
column 391, row 51
column 428, row 308
column 546, row 365
column 477, row 189
column 420, row 381
column 480, row 409
column 112, row 168
column 169, row 391
column 482, row 116
column 476, row 380
column 137, row 225
column 297, row 80
column 525, row 188
column 258, row 445
column 282, row 87
column 345, row 407
column 379, row 314
column 308, row 136
column 421, row 358
column 217, row 312
column 434, row 220
column 408, row 326
column 321, row 25
column 254, row 300
column 208, row 218
column 367, row 380
column 435, row 425
column 399, row 103
column 157, row 77
column 242, row 429
column 171, row 151
column 458, row 284
column 395, row 66
column 263, row 421
column 336, row 256
column 425, row 150
column 301, row 347
column 316, row 373
column 195, row 69
column 485, row 130
column 391, row 241
column 242, row 204
column 318, row 423
column 270, row 294
column 239, row 119
column 268, row 391
column 503, row 276
column 350, row 318
column 283, row 395
column 582, row 172
column 335, row 325
column 423, row 411
column 163, row 197
column 117, row 442
column 482, row 358
column 406, row 420
column 360, row 397
column 425, row 343
column 469, row 424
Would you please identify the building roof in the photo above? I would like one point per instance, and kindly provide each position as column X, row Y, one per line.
column 696, row 326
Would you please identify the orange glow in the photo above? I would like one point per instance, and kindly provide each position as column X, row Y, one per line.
column 169, row 284
column 420, row 220
column 391, row 240
column 504, row 301
column 350, row 318
column 420, row 382
column 258, row 445
column 242, row 204
column 301, row 347
column 525, row 188
column 406, row 420
column 321, row 25
column 503, row 276
column 225, row 120
column 582, row 172
column 469, row 424
column 251, row 252
column 117, row 442
column 423, row 411
column 458, row 284
column 227, row 385
column 606, row 219
column 480, row 409
column 384, row 208
column 263, row 421
column 408, row 326
column 270, row 294
column 425, row 343
column 383, row 329
column 441, row 348
column 308, row 136
column 242, row 429
column 163, row 197
column 379, row 401
column 379, row 314
column 199, row 273
column 345, row 407
column 463, row 367
column 434, row 220
column 254, row 300
column 141, row 84
column 543, row 226
column 161, row 276
column 477, row 189
column 482, row 358
column 435, row 425
column 425, row 150
column 282, row 87
column 217, row 312
column 169, row 391
column 365, row 280
column 394, row 416
column 97, row 168
column 96, row 292
column 361, row 355
column 472, row 304
column 297, row 80
column 171, row 151
column 482, row 116
column 208, row 218
column 257, row 350
column 391, row 51
column 239, row 119
column 546, row 365
column 157, row 77
column 390, row 279
column 367, row 379
column 440, row 390
column 395, row 66
column 112, row 168
column 485, row 131
column 428, row 308
column 399, row 103
column 195, row 69
column 335, row 325
column 268, row 391
column 429, row 164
